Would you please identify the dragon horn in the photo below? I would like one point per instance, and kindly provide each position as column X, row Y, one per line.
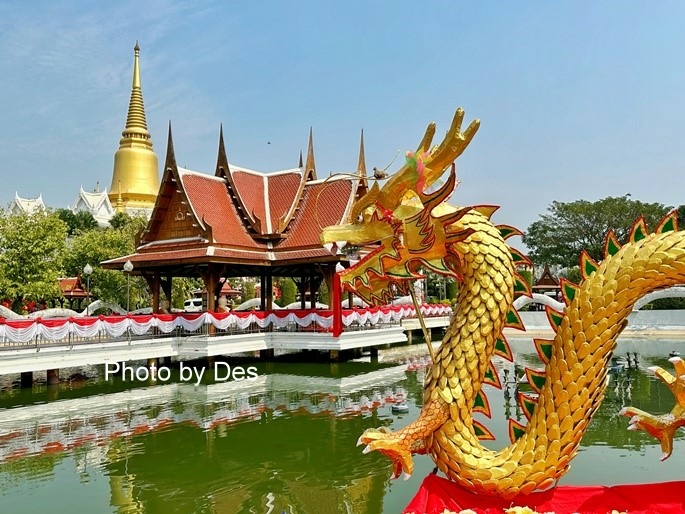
column 430, row 201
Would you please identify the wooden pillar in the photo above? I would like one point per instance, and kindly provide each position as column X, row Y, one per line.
column 334, row 355
column 350, row 300
column 266, row 354
column 374, row 354
column 302, row 286
column 314, row 283
column 328, row 275
column 269, row 286
column 211, row 281
column 312, row 293
column 53, row 376
column 27, row 379
column 166, row 288
column 154, row 285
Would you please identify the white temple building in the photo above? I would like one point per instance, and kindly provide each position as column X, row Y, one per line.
column 25, row 205
column 97, row 203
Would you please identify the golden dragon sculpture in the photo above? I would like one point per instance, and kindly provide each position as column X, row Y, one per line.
column 404, row 228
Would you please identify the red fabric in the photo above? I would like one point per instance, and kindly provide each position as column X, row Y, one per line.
column 52, row 323
column 437, row 494
column 20, row 323
column 337, row 306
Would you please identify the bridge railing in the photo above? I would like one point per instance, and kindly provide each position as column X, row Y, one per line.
column 83, row 330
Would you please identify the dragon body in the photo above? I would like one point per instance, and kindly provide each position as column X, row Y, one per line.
column 413, row 230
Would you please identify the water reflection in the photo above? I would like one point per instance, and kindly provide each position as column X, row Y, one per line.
column 282, row 443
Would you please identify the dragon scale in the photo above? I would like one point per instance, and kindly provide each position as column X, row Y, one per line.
column 414, row 229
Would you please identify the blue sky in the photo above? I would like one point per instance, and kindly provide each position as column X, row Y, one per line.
column 576, row 99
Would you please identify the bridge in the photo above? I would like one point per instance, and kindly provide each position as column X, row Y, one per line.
column 50, row 344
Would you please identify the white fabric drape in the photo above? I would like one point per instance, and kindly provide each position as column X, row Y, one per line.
column 23, row 331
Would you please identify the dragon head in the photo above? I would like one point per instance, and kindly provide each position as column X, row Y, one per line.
column 401, row 227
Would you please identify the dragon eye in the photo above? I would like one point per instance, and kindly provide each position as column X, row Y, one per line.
column 360, row 218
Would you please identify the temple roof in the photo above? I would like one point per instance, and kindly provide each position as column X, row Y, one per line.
column 546, row 280
column 72, row 287
column 26, row 205
column 91, row 199
column 96, row 203
column 240, row 216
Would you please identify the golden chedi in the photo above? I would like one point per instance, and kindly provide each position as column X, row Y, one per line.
column 135, row 180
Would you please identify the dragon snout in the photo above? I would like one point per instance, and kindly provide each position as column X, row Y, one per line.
column 336, row 247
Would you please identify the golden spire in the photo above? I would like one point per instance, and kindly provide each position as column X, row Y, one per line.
column 136, row 125
column 135, row 180
column 120, row 202
column 309, row 166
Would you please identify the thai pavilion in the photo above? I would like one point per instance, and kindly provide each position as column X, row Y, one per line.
column 242, row 223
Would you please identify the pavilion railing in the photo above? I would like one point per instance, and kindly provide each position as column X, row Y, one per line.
column 84, row 330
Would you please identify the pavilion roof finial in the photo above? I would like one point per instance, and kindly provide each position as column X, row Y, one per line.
column 361, row 164
column 170, row 161
column 310, row 166
column 222, row 166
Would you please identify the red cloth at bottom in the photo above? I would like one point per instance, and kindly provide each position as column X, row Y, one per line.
column 437, row 494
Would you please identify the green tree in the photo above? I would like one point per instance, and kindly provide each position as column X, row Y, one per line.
column 527, row 275
column 123, row 220
column 81, row 221
column 288, row 291
column 559, row 236
column 183, row 288
column 324, row 295
column 95, row 246
column 573, row 274
column 681, row 217
column 452, row 289
column 119, row 220
column 248, row 290
column 32, row 248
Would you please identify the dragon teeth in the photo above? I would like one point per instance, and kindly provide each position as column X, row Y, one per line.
column 328, row 246
column 340, row 244
column 339, row 267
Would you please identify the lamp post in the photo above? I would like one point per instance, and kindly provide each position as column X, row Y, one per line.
column 87, row 270
column 128, row 268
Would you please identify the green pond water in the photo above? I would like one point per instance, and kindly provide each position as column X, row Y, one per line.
column 282, row 443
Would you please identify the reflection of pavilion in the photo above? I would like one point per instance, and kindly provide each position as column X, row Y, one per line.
column 68, row 424
column 246, row 436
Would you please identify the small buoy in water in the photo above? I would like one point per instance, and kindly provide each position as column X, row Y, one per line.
column 400, row 408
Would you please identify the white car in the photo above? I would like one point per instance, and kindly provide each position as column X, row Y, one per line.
column 192, row 305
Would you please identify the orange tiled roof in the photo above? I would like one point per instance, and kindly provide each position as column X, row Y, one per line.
column 72, row 287
column 241, row 216
column 211, row 203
